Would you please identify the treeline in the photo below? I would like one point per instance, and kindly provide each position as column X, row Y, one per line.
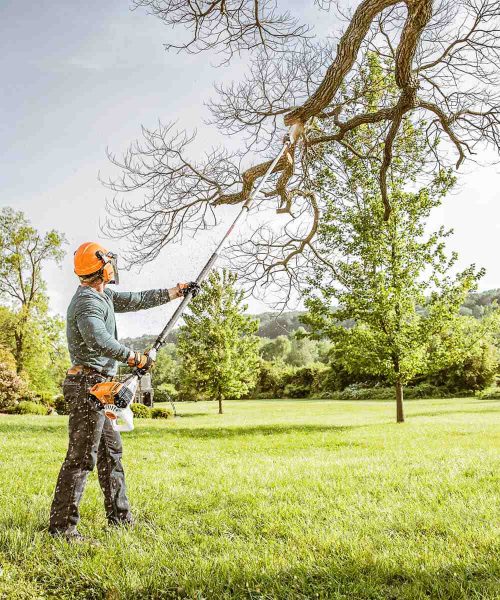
column 293, row 364
column 478, row 303
column 33, row 353
column 299, row 366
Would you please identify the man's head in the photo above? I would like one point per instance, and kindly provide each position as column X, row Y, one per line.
column 94, row 264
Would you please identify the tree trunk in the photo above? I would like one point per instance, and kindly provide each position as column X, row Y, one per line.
column 220, row 406
column 20, row 337
column 400, row 416
column 19, row 351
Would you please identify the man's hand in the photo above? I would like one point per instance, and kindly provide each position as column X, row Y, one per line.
column 182, row 289
column 144, row 362
column 191, row 287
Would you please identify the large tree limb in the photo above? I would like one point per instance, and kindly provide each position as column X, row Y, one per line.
column 439, row 62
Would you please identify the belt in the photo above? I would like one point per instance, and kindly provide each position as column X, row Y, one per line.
column 84, row 370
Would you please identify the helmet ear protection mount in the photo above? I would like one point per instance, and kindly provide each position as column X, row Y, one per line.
column 109, row 270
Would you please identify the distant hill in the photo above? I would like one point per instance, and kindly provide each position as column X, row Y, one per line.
column 146, row 341
column 476, row 303
column 274, row 324
column 271, row 326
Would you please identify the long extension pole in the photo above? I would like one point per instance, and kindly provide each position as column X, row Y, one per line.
column 119, row 407
column 289, row 139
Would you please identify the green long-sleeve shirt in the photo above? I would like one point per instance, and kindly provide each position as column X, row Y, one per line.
column 91, row 325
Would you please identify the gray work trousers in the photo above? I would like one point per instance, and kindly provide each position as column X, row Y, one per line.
column 91, row 440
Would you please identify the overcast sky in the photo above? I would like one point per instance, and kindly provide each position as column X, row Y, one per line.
column 82, row 76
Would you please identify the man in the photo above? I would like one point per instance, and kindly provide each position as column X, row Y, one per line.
column 94, row 350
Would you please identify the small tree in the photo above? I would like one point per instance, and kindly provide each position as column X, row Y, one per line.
column 218, row 347
column 23, row 251
column 390, row 276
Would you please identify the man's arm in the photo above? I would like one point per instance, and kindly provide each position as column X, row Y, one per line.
column 132, row 301
column 90, row 321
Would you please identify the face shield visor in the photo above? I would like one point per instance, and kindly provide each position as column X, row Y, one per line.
column 113, row 261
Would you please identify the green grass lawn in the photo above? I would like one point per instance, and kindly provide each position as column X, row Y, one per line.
column 274, row 499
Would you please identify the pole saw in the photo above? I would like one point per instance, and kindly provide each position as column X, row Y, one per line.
column 115, row 397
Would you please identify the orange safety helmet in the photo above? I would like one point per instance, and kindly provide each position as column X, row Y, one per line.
column 93, row 261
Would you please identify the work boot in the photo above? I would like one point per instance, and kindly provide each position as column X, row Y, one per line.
column 73, row 536
column 127, row 522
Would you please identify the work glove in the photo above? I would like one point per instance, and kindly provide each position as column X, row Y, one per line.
column 186, row 288
column 143, row 362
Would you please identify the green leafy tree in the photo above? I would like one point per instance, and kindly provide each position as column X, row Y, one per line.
column 271, row 379
column 468, row 352
column 166, row 369
column 7, row 328
column 166, row 373
column 23, row 251
column 218, row 347
column 324, row 348
column 47, row 357
column 303, row 350
column 379, row 271
column 276, row 350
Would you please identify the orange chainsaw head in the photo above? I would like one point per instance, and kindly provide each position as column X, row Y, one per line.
column 106, row 391
column 93, row 259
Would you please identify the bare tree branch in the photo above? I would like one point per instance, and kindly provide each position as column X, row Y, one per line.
column 227, row 26
column 443, row 59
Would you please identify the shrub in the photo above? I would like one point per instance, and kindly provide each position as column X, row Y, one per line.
column 60, row 405
column 45, row 398
column 336, row 378
column 29, row 395
column 477, row 371
column 165, row 393
column 361, row 392
column 162, row 413
column 490, row 393
column 271, row 380
column 12, row 386
column 423, row 390
column 427, row 390
column 27, row 407
column 140, row 411
column 304, row 381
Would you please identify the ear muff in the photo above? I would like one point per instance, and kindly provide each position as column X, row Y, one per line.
column 108, row 273
column 110, row 269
